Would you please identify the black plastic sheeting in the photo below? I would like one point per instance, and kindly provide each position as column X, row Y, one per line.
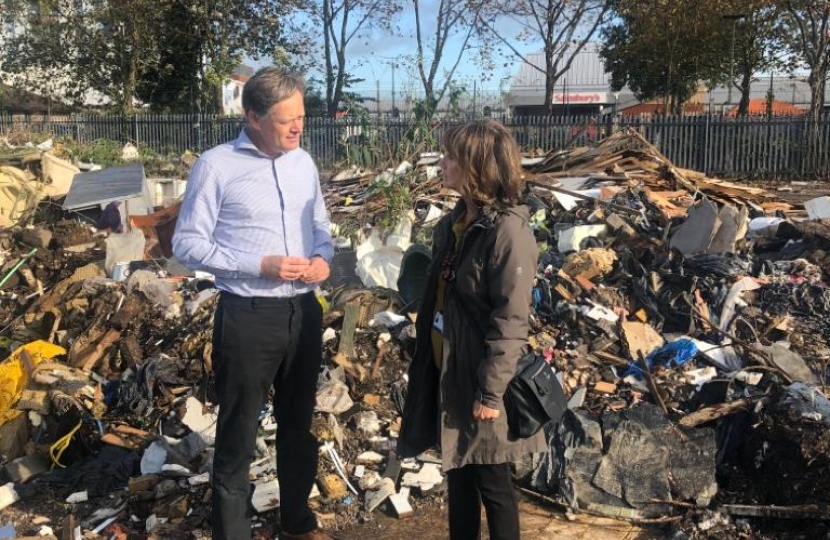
column 630, row 459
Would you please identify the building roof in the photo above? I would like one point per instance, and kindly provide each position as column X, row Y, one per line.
column 586, row 82
column 758, row 107
column 793, row 90
column 587, row 70
column 657, row 108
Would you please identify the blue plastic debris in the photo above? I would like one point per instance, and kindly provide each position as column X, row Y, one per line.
column 7, row 531
column 670, row 355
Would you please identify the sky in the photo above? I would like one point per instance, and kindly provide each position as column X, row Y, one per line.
column 381, row 56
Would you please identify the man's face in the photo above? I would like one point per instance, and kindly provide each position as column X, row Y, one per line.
column 280, row 129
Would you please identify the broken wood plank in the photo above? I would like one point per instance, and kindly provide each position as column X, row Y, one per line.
column 608, row 357
column 802, row 511
column 708, row 414
column 564, row 292
column 91, row 359
column 114, row 440
column 378, row 360
column 668, row 210
column 356, row 371
column 655, row 391
column 703, row 307
column 603, row 387
column 350, row 317
column 135, row 432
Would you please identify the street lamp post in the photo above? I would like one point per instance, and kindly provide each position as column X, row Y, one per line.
column 734, row 18
column 394, row 114
column 392, row 62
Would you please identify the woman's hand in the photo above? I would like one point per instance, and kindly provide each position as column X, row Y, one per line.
column 483, row 413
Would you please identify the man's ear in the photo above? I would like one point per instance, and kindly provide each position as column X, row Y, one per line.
column 252, row 119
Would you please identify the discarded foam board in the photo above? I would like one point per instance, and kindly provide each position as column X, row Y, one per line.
column 200, row 419
column 818, row 208
column 78, row 497
column 400, row 504
column 696, row 233
column 8, row 495
column 733, row 227
column 370, row 458
column 571, row 239
column 428, row 477
column 266, row 496
column 375, row 497
column 640, row 338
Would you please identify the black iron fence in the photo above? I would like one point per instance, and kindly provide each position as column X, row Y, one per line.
column 769, row 147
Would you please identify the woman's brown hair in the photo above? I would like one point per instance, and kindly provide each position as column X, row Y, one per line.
column 489, row 162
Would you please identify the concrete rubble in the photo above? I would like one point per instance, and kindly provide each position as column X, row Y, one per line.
column 687, row 317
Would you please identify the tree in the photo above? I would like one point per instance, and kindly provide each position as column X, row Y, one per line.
column 758, row 38
column 455, row 20
column 232, row 30
column 158, row 49
column 341, row 23
column 563, row 27
column 665, row 48
column 99, row 46
column 806, row 23
column 172, row 82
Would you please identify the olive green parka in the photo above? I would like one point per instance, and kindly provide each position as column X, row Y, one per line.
column 486, row 323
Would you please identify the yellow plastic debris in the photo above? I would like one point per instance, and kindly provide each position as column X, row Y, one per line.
column 322, row 300
column 57, row 174
column 19, row 194
column 14, row 373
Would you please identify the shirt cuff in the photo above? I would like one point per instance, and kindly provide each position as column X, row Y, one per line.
column 250, row 264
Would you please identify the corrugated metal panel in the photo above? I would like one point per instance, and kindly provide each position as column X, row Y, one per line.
column 587, row 69
column 95, row 188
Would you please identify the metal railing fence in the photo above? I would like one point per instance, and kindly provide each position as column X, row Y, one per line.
column 762, row 147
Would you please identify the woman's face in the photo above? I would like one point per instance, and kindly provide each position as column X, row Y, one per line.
column 450, row 173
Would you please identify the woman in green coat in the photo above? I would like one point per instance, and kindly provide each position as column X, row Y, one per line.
column 472, row 327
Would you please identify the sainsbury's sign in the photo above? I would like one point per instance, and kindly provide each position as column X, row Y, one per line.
column 590, row 98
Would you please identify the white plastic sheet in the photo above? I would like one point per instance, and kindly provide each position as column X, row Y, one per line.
column 379, row 258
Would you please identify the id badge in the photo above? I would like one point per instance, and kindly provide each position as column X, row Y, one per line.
column 438, row 322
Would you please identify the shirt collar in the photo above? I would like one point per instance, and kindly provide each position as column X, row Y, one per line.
column 243, row 142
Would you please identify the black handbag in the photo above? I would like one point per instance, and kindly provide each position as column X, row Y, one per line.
column 533, row 398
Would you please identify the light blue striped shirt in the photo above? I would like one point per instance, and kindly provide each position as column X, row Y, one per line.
column 241, row 205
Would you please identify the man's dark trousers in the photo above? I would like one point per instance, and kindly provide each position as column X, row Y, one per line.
column 260, row 342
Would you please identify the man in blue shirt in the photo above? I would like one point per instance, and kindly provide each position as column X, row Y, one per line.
column 253, row 215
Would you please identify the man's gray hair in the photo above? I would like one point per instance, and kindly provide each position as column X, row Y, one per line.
column 268, row 86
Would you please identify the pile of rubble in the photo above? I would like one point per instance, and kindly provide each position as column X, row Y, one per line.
column 686, row 316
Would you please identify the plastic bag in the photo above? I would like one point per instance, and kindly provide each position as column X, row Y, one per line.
column 122, row 248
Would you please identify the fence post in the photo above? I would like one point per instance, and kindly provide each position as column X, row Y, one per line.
column 134, row 128
column 706, row 138
column 197, row 131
